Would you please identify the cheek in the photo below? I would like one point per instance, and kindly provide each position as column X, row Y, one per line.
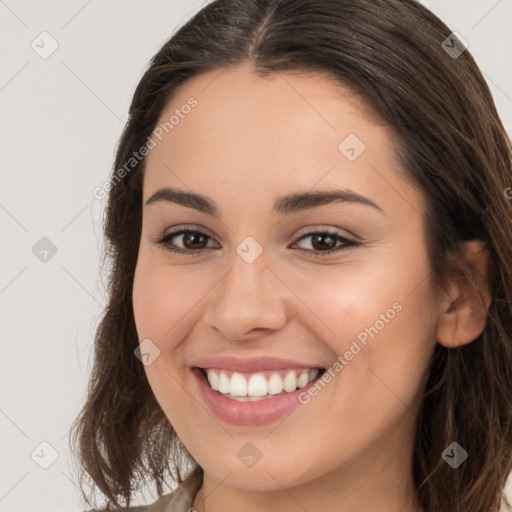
column 381, row 320
column 161, row 299
column 162, row 296
column 362, row 301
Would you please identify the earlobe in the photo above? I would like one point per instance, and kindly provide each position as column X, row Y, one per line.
column 465, row 314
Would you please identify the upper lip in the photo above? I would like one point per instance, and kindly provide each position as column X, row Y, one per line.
column 252, row 364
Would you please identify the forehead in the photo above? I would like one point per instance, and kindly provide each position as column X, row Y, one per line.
column 268, row 135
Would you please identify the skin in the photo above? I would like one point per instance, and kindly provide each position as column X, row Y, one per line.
column 249, row 141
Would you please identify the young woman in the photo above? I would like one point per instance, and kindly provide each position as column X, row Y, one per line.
column 309, row 225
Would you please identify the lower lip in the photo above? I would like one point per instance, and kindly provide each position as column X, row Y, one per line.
column 249, row 413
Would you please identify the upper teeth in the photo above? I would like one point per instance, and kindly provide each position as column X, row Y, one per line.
column 256, row 384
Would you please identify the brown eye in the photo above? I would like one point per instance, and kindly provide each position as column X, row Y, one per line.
column 324, row 243
column 193, row 241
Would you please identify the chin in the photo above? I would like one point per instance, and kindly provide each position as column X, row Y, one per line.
column 263, row 476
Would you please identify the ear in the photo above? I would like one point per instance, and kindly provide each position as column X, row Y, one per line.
column 464, row 310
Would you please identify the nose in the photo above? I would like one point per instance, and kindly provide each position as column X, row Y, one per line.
column 248, row 301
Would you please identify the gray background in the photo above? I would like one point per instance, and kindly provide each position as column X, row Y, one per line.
column 61, row 119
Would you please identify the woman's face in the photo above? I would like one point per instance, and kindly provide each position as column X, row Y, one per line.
column 247, row 292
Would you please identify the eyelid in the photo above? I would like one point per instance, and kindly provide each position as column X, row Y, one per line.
column 187, row 227
column 341, row 232
column 304, row 231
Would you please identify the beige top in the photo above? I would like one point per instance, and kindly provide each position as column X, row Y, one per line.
column 180, row 500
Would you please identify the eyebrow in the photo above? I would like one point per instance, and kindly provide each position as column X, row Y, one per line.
column 291, row 203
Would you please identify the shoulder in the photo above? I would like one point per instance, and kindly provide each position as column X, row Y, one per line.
column 180, row 500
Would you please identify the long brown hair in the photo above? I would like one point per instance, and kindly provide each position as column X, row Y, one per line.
column 452, row 145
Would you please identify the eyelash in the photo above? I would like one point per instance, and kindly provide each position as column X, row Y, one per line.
column 348, row 244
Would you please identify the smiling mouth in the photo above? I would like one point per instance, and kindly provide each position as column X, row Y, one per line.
column 256, row 386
